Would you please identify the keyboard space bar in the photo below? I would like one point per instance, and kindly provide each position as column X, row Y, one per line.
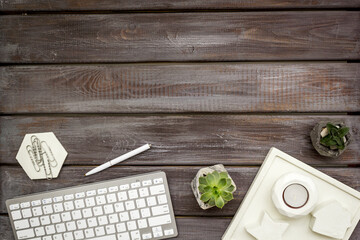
column 107, row 237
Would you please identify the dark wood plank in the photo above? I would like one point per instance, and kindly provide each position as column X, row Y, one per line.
column 178, row 140
column 112, row 5
column 278, row 87
column 15, row 182
column 5, row 228
column 325, row 35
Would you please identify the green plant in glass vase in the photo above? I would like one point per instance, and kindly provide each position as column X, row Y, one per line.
column 216, row 189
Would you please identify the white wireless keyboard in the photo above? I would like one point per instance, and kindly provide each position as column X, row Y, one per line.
column 133, row 208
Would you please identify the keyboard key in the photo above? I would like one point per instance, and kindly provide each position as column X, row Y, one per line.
column 113, row 218
column 79, row 203
column 79, row 234
column 81, row 224
column 24, row 234
column 140, row 203
column 34, row 222
column 92, row 222
column 57, row 237
column 113, row 189
column 145, row 212
column 168, row 232
column 108, row 209
column 146, row 183
column 70, row 226
column 55, row 218
column 16, row 215
column 122, row 196
column 47, row 209
column 102, row 220
column 87, row 213
column 158, row 189
column 80, row 195
column 76, row 214
column 14, row 206
column 120, row 227
column 130, row 205
column 47, row 238
column 40, row 231
column 160, row 220
column 135, row 214
column 142, row 223
column 46, row 201
column 133, row 194
column 111, row 198
column 60, row 227
column 69, row 206
column 98, row 211
column 35, row 203
column 157, row 231
column 21, row 224
column 91, row 193
column 159, row 210
column 90, row 202
column 99, row 231
column 89, row 233
column 58, row 207
column 135, row 235
column 124, row 216
column 45, row 220
column 151, row 201
column 162, row 199
column 68, row 236
column 58, row 199
column 100, row 200
column 158, row 180
column 123, row 236
column 135, row 185
column 25, row 204
column 124, row 187
column 102, row 190
column 110, row 229
column 144, row 192
column 26, row 213
column 119, row 207
column 37, row 211
column 147, row 236
column 66, row 216
column 69, row 197
column 50, row 229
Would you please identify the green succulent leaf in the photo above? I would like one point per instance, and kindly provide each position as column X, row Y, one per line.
column 335, row 139
column 212, row 201
column 206, row 196
column 222, row 183
column 230, row 189
column 224, row 175
column 227, row 196
column 202, row 180
column 210, row 179
column 216, row 176
column 343, row 131
column 219, row 202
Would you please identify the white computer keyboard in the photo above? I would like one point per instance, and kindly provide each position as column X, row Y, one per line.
column 133, row 208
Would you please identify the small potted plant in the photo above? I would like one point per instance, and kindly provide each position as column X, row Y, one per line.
column 330, row 139
column 212, row 186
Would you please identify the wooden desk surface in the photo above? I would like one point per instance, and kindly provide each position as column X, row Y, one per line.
column 206, row 82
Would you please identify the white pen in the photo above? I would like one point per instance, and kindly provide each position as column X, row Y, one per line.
column 119, row 159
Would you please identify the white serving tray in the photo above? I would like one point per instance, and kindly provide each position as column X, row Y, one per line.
column 258, row 199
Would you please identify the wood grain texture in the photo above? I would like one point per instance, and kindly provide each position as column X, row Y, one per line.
column 325, row 35
column 112, row 5
column 178, row 140
column 150, row 88
column 15, row 182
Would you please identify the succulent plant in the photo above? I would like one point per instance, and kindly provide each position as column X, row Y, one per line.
column 216, row 189
column 335, row 137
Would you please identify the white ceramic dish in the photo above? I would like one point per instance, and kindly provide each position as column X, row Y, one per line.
column 258, row 200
